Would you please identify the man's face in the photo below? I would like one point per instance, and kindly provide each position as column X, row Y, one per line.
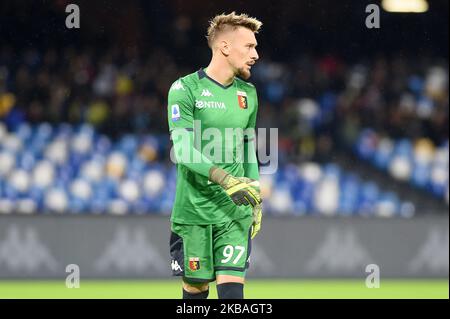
column 242, row 51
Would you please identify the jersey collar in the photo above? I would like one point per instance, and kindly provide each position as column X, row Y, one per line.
column 202, row 74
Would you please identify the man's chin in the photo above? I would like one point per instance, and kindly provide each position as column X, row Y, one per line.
column 244, row 74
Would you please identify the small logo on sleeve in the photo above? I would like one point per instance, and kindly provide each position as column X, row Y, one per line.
column 177, row 86
column 175, row 113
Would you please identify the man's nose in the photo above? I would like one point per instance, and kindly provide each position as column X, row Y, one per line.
column 255, row 55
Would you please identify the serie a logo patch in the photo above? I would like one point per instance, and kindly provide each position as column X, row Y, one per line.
column 242, row 99
column 175, row 113
column 194, row 263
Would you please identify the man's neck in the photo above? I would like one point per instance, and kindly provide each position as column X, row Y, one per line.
column 219, row 73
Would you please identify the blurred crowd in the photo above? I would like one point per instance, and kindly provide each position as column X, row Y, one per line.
column 116, row 92
column 73, row 169
column 319, row 104
column 322, row 104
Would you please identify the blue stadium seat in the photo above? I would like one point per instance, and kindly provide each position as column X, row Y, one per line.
column 80, row 181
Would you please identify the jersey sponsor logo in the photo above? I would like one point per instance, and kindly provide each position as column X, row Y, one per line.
column 242, row 99
column 194, row 263
column 209, row 105
column 175, row 112
column 206, row 92
column 177, row 86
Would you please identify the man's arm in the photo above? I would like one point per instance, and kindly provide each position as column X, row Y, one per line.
column 250, row 160
column 186, row 154
column 251, row 169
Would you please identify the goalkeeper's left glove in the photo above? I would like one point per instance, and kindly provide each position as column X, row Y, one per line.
column 257, row 216
column 257, row 209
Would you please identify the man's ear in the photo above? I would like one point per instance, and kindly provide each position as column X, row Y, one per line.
column 224, row 47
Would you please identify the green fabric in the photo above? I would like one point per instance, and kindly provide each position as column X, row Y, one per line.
column 251, row 165
column 199, row 104
column 231, row 273
column 212, row 249
column 185, row 153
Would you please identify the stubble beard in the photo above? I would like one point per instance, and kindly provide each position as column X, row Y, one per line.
column 244, row 73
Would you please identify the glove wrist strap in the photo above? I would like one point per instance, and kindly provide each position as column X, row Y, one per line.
column 218, row 175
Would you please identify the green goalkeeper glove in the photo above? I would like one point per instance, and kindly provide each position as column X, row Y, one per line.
column 240, row 192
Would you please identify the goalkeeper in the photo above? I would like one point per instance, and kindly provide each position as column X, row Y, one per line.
column 217, row 208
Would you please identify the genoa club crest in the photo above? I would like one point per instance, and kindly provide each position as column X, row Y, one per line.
column 194, row 263
column 242, row 99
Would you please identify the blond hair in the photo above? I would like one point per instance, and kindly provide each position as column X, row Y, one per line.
column 230, row 21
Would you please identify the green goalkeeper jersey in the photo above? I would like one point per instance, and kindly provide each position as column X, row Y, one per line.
column 220, row 119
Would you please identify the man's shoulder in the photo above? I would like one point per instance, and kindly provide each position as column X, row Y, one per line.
column 248, row 86
column 188, row 81
column 191, row 78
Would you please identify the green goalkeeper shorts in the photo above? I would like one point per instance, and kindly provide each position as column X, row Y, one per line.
column 201, row 252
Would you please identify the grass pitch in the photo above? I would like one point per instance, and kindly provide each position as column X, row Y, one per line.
column 254, row 289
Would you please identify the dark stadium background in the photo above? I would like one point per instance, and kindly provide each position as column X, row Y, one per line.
column 362, row 118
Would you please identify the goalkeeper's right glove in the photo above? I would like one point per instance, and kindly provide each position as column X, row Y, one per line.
column 239, row 191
